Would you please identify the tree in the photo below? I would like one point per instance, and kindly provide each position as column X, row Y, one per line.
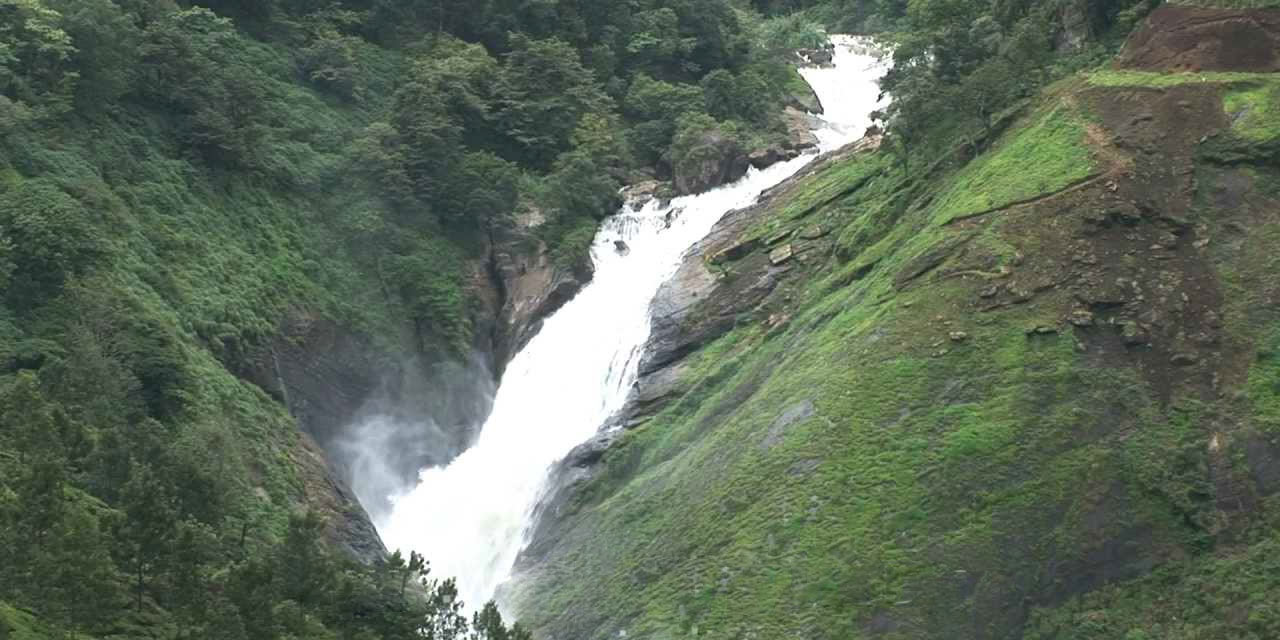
column 428, row 137
column 481, row 191
column 53, row 556
column 329, row 62
column 579, row 188
column 655, row 106
column 442, row 617
column 487, row 624
column 657, row 41
column 146, row 532
column 193, row 62
column 51, row 238
column 36, row 57
column 597, row 137
column 720, row 91
column 106, row 40
column 543, row 92
column 987, row 90
column 303, row 566
column 403, row 571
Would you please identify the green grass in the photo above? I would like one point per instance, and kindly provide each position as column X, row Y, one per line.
column 1264, row 385
column 1229, row 4
column 924, row 460
column 1228, row 596
column 936, row 482
column 1046, row 156
column 829, row 186
column 1255, row 111
column 707, row 528
column 1127, row 78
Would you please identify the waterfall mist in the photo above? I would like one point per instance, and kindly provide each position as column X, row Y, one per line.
column 419, row 418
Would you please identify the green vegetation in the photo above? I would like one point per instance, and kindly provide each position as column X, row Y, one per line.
column 180, row 182
column 911, row 438
column 1255, row 111
column 1230, row 4
column 717, row 519
column 934, row 479
column 1156, row 79
column 1231, row 596
column 1042, row 158
column 20, row 625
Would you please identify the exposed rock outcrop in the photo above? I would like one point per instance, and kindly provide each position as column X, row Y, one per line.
column 530, row 284
column 330, row 377
column 696, row 305
column 770, row 155
column 1178, row 38
column 333, row 378
column 800, row 126
column 805, row 100
column 1073, row 20
column 715, row 159
column 818, row 57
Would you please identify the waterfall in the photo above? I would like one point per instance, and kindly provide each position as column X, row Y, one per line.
column 470, row 518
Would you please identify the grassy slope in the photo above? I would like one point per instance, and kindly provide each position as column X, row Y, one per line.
column 1042, row 158
column 939, row 489
column 1231, row 4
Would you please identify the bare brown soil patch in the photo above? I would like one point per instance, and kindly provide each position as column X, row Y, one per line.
column 1177, row 38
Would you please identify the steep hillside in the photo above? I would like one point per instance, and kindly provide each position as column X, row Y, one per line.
column 1030, row 395
column 231, row 229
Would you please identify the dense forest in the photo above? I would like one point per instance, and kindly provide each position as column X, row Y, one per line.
column 176, row 177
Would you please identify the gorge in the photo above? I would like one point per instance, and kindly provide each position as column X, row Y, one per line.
column 563, row 387
column 333, row 319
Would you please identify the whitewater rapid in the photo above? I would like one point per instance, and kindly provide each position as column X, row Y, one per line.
column 471, row 518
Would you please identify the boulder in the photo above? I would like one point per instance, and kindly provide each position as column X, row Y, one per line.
column 800, row 126
column 715, row 159
column 771, row 155
column 804, row 99
column 823, row 57
column 781, row 255
column 638, row 195
column 765, row 157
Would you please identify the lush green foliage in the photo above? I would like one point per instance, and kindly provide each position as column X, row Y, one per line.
column 1255, row 111
column 856, row 472
column 960, row 67
column 1231, row 4
column 105, row 524
column 179, row 180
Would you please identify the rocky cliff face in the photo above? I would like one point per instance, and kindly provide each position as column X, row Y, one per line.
column 1031, row 397
column 529, row 284
column 332, row 377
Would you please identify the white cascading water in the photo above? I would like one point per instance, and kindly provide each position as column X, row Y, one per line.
column 470, row 518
